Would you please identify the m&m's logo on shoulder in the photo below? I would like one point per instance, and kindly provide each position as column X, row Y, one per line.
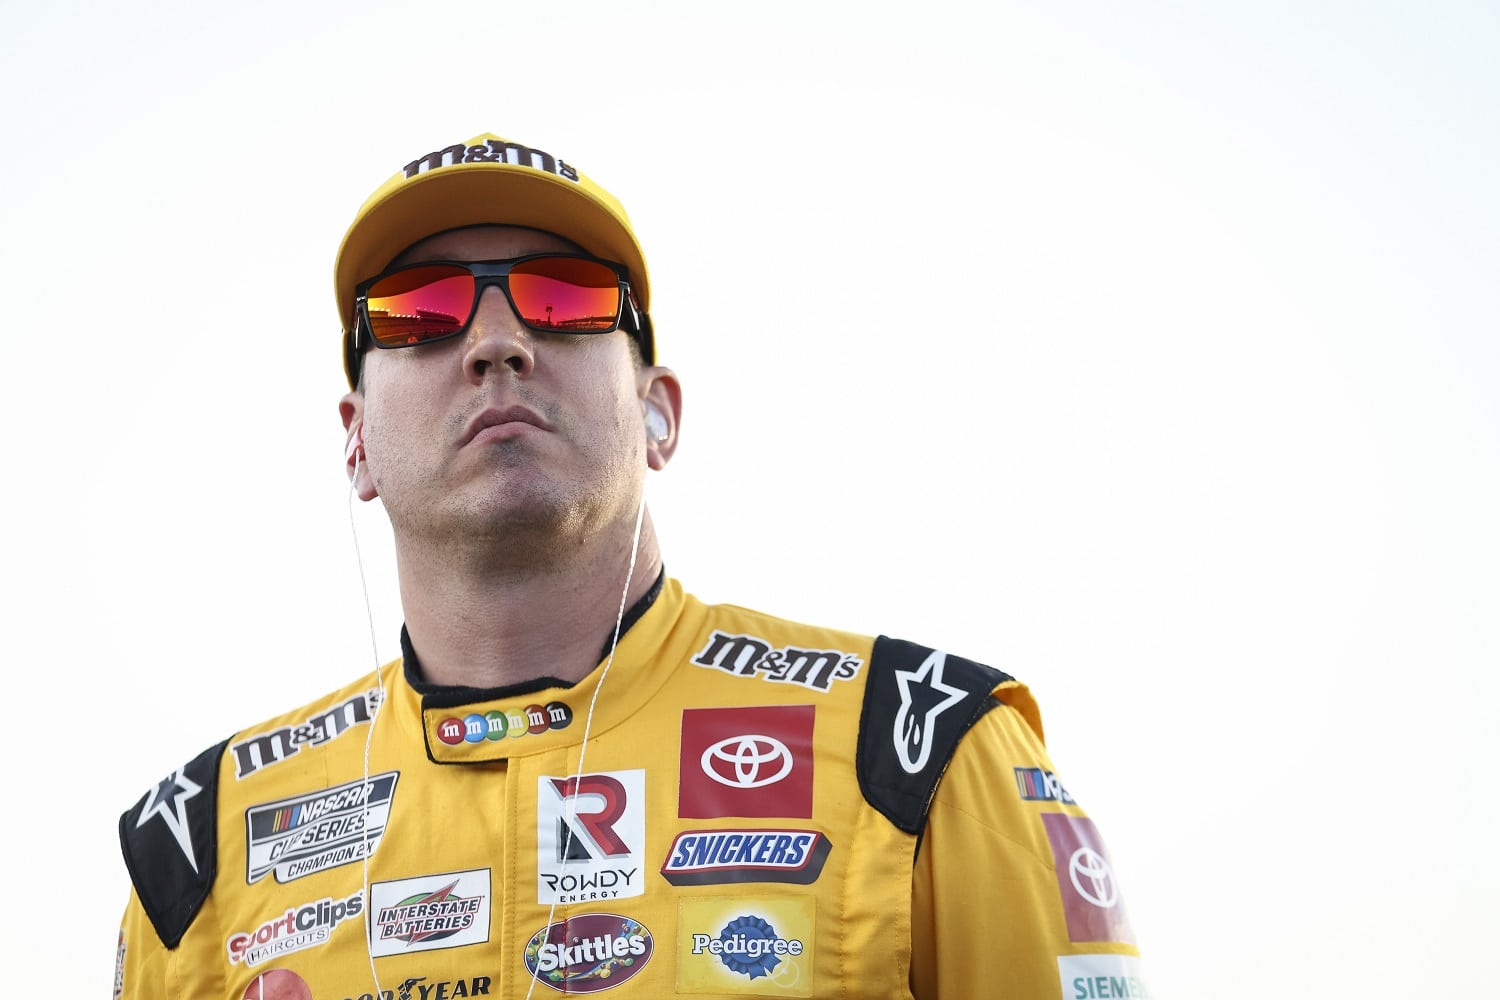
column 513, row 723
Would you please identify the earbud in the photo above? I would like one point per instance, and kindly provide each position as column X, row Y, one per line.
column 656, row 424
column 354, row 452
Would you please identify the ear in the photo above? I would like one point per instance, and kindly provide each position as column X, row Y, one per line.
column 356, row 462
column 659, row 386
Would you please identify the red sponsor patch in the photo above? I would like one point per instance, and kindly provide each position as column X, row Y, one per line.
column 278, row 984
column 746, row 762
column 1090, row 891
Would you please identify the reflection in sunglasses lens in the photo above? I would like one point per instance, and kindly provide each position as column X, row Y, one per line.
column 566, row 294
column 419, row 304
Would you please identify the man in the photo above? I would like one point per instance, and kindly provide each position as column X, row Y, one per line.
column 578, row 778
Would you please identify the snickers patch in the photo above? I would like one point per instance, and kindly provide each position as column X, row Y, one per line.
column 712, row 857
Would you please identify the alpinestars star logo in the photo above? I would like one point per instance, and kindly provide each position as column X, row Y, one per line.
column 169, row 802
column 924, row 697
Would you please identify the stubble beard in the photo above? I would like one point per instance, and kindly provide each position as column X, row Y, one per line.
column 514, row 520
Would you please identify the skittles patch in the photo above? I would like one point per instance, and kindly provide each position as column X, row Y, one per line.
column 744, row 944
column 588, row 953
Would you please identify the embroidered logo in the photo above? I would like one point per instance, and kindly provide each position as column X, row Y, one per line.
column 319, row 830
column 533, row 720
column 264, row 749
column 924, row 698
column 428, row 912
column 490, row 151
column 746, row 762
column 168, row 802
column 1091, row 899
column 707, row 857
column 591, row 836
column 589, row 952
column 1038, row 785
column 746, row 945
column 299, row 927
column 749, row 656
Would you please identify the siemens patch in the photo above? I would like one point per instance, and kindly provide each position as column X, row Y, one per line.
column 1102, row 977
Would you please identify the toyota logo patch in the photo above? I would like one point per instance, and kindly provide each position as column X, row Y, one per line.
column 750, row 761
column 746, row 762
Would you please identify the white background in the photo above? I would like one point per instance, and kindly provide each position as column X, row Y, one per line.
column 1147, row 351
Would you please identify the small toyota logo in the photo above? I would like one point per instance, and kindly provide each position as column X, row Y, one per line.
column 1092, row 877
column 747, row 761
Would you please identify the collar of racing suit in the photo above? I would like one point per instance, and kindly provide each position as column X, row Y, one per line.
column 466, row 725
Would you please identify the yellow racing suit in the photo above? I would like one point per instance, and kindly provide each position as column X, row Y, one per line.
column 730, row 805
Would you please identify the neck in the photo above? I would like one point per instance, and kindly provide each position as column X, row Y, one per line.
column 493, row 624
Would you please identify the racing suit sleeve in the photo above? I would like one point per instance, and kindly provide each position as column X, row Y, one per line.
column 995, row 911
column 140, row 959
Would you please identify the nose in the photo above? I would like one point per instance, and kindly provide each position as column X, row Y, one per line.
column 496, row 337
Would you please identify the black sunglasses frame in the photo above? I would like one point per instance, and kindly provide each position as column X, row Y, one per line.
column 497, row 272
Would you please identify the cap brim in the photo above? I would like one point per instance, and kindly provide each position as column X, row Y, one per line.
column 502, row 194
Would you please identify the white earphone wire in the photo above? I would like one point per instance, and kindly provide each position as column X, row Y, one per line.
column 369, row 733
column 570, row 803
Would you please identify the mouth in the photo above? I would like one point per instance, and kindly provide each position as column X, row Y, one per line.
column 505, row 422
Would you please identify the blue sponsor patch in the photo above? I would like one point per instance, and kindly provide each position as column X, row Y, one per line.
column 714, row 857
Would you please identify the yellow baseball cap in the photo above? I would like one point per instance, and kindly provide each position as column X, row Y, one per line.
column 486, row 179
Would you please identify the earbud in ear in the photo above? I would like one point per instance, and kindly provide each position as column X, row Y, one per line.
column 656, row 424
column 354, row 452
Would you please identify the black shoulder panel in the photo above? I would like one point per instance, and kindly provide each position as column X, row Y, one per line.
column 170, row 841
column 918, row 703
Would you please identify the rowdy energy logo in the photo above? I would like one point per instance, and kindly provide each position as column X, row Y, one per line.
column 747, row 655
column 1090, row 892
column 430, row 912
column 746, row 762
column 264, row 749
column 707, row 857
column 317, row 831
column 298, row 928
column 590, row 836
column 589, row 952
column 513, row 723
column 733, row 945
